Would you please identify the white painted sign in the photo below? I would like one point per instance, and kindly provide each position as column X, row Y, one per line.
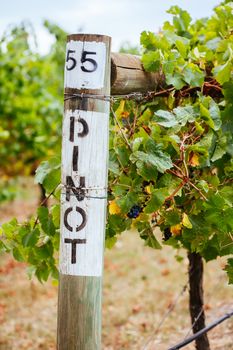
column 84, row 192
column 85, row 65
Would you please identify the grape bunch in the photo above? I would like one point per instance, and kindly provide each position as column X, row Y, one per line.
column 167, row 234
column 134, row 212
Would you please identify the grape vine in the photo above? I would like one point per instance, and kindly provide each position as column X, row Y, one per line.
column 170, row 163
column 31, row 104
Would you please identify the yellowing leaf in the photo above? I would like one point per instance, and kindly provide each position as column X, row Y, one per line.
column 204, row 111
column 110, row 242
column 120, row 109
column 148, row 189
column 176, row 229
column 125, row 114
column 199, row 129
column 194, row 159
column 114, row 208
column 186, row 222
column 202, row 64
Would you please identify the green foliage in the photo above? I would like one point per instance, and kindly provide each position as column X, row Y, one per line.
column 188, row 52
column 37, row 240
column 48, row 174
column 34, row 243
column 177, row 162
column 31, row 91
column 180, row 154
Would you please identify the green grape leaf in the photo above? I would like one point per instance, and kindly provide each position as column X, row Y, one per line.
column 161, row 161
column 148, row 40
column 150, row 240
column 176, row 80
column 18, row 254
column 9, row 228
column 52, row 180
column 46, row 221
column 123, row 155
column 193, row 75
column 116, row 224
column 110, row 242
column 42, row 272
column 220, row 150
column 146, row 233
column 172, row 218
column 147, row 170
column 151, row 61
column 181, row 19
column 215, row 114
column 158, row 197
column 125, row 203
column 55, row 211
column 45, row 168
column 165, row 118
column 31, row 237
column 222, row 72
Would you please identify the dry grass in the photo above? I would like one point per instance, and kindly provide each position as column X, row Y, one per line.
column 140, row 285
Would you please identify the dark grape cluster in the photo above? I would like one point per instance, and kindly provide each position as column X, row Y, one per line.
column 134, row 212
column 167, row 234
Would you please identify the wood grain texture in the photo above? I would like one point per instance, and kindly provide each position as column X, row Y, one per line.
column 79, row 319
column 92, row 166
column 128, row 75
column 79, row 299
column 77, row 78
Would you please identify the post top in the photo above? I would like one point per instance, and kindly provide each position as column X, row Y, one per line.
column 88, row 37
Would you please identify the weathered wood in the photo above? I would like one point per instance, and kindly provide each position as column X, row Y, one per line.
column 85, row 128
column 128, row 75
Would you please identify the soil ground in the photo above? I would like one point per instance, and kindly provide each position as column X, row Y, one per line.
column 141, row 285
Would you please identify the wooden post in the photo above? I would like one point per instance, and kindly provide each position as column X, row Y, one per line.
column 128, row 75
column 84, row 191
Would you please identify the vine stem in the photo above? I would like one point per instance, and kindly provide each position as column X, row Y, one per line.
column 186, row 180
column 178, row 168
column 198, row 190
column 122, row 133
column 132, row 130
column 175, row 173
column 196, row 298
column 176, row 190
column 43, row 202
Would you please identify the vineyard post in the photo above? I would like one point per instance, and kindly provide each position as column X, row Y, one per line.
column 84, row 191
